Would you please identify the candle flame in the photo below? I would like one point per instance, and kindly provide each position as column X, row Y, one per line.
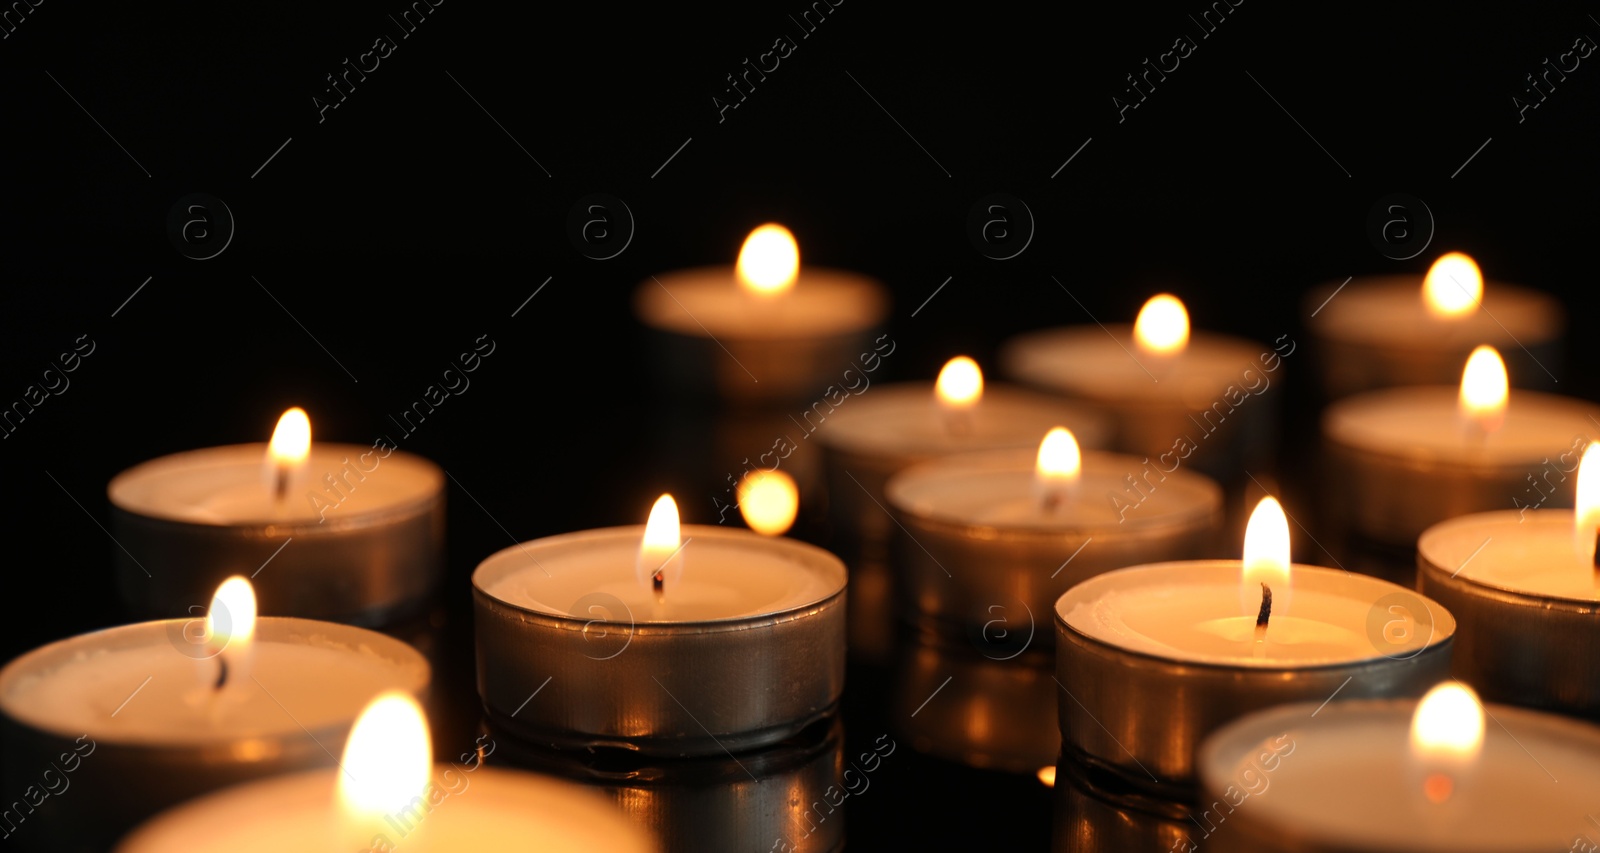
column 960, row 383
column 769, row 501
column 660, row 553
column 387, row 758
column 1484, row 389
column 1162, row 327
column 1452, row 287
column 1446, row 736
column 1266, row 558
column 291, row 440
column 1047, row 775
column 1586, row 508
column 231, row 621
column 769, row 261
column 1058, row 467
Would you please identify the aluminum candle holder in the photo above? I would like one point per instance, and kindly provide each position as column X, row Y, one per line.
column 1140, row 709
column 1394, row 470
column 371, row 554
column 1516, row 646
column 1376, row 334
column 711, row 340
column 1095, row 813
column 787, row 797
column 126, row 767
column 612, row 674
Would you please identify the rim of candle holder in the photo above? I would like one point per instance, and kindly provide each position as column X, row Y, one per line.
column 1437, row 574
column 1113, row 786
column 558, row 740
column 635, row 769
column 1090, row 425
column 337, row 522
column 1015, row 366
column 872, row 308
column 223, row 749
column 812, row 556
column 1443, row 619
column 1447, row 465
column 1320, row 295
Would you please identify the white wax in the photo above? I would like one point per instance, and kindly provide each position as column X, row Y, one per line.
column 1345, row 778
column 306, row 674
column 727, row 574
column 1424, row 424
column 1190, row 611
column 996, row 489
column 1389, row 311
column 904, row 419
column 708, row 301
column 226, row 485
column 1532, row 553
column 1104, row 363
column 468, row 809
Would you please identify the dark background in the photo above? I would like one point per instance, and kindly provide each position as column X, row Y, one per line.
column 408, row 222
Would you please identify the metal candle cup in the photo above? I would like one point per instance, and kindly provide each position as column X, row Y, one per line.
column 1198, row 402
column 1139, row 705
column 1400, row 460
column 146, row 751
column 1377, row 333
column 714, row 340
column 1517, row 644
column 697, row 678
column 978, row 543
column 363, row 543
column 1342, row 778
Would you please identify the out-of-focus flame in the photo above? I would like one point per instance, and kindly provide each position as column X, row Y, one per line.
column 769, row 261
column 386, row 760
column 1484, row 389
column 1058, row 467
column 291, row 439
column 231, row 627
column 1586, row 508
column 1446, row 737
column 1162, row 327
column 960, row 384
column 768, row 500
column 1452, row 287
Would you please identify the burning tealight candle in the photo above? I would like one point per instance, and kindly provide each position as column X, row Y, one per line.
column 329, row 531
column 1525, row 590
column 896, row 426
column 1169, row 391
column 1230, row 637
column 1403, row 459
column 667, row 639
column 766, row 329
column 1392, row 776
column 389, row 795
column 1399, row 330
column 175, row 708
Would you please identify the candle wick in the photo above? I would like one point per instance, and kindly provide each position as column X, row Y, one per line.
column 1264, row 614
column 1052, row 500
column 222, row 673
column 1596, row 560
column 280, row 488
column 659, row 583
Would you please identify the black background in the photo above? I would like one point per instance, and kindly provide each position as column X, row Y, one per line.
column 407, row 222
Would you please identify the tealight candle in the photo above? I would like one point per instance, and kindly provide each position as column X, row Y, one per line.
column 1171, row 393
column 176, row 708
column 388, row 795
column 764, row 330
column 1526, row 592
column 664, row 639
column 896, row 426
column 1392, row 776
column 1229, row 637
column 1402, row 459
column 329, row 531
column 1401, row 330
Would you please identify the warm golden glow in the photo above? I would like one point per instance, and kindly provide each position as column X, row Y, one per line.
column 1453, row 286
column 660, row 552
column 1483, row 390
column 1266, row 558
column 1586, row 508
column 769, row 261
column 768, row 500
column 1448, row 725
column 231, row 621
column 960, row 384
column 291, row 440
column 1059, row 458
column 1047, row 775
column 387, row 758
column 1162, row 327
